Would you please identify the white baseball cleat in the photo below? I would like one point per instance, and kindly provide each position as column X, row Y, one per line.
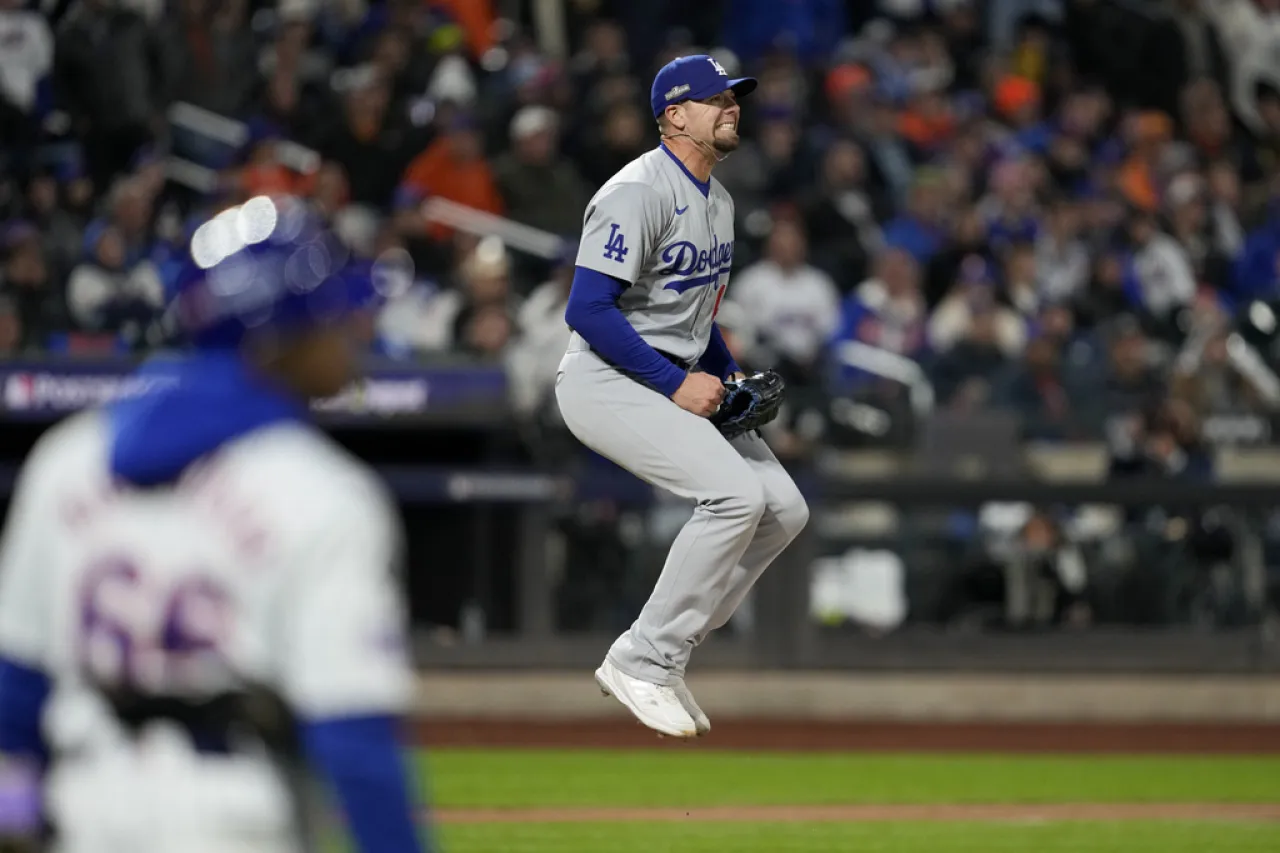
column 656, row 706
column 701, row 723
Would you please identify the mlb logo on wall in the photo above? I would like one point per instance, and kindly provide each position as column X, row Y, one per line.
column 19, row 392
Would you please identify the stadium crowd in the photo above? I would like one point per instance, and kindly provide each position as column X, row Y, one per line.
column 1065, row 208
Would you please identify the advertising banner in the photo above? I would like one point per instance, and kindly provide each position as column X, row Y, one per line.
column 390, row 392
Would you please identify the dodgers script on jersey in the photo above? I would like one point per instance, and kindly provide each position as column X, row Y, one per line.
column 652, row 226
column 272, row 561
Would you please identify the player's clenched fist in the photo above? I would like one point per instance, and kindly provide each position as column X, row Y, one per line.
column 699, row 393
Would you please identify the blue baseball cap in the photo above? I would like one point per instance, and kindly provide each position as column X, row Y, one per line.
column 268, row 264
column 693, row 78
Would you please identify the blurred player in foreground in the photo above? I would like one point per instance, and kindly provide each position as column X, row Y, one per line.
column 198, row 606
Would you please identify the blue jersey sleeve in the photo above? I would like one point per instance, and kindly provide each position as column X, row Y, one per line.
column 593, row 312
column 717, row 360
column 361, row 759
column 23, row 693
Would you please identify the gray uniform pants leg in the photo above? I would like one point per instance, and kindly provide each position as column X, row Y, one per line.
column 715, row 558
column 785, row 515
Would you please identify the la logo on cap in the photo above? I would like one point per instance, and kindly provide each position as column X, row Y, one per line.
column 718, row 67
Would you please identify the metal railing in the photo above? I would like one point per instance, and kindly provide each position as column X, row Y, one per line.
column 784, row 632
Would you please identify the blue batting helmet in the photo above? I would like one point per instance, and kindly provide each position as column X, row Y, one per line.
column 268, row 264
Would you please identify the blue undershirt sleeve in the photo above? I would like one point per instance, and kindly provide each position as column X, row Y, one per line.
column 23, row 753
column 593, row 313
column 362, row 760
column 716, row 360
column 23, row 692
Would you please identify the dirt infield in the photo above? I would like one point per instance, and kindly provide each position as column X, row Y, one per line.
column 870, row 813
column 804, row 735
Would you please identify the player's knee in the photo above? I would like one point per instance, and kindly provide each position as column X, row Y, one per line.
column 793, row 514
column 743, row 499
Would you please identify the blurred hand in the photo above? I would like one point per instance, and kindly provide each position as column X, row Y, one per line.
column 700, row 393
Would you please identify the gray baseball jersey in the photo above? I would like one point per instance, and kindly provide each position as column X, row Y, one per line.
column 671, row 237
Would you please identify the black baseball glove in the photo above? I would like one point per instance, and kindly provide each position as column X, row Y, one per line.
column 749, row 403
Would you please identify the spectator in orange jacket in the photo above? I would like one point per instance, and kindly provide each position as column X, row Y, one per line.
column 476, row 19
column 1147, row 133
column 453, row 167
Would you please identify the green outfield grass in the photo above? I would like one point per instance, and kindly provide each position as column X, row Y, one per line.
column 523, row 779
column 675, row 777
column 1129, row 837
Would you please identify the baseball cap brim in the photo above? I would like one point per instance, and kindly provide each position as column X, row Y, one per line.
column 743, row 86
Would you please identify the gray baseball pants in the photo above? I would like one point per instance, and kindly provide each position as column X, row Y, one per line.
column 747, row 509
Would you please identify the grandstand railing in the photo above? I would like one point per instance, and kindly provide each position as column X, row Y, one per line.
column 786, row 635
column 891, row 366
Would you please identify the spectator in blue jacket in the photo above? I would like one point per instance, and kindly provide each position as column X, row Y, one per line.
column 1257, row 270
column 919, row 229
column 810, row 29
column 887, row 311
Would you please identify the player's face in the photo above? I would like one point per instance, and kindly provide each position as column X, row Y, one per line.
column 323, row 361
column 715, row 120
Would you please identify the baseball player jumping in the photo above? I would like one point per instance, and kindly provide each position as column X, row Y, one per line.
column 198, row 605
column 649, row 383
